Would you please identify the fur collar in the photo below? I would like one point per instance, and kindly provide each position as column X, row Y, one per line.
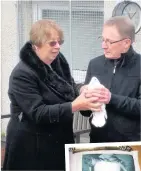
column 58, row 79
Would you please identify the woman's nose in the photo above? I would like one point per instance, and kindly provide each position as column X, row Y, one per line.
column 57, row 45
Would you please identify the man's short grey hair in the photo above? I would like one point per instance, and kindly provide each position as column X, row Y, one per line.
column 124, row 26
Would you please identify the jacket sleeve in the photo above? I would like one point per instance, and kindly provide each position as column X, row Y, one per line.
column 24, row 88
column 88, row 74
column 127, row 105
column 87, row 79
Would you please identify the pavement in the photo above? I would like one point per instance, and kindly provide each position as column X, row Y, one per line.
column 84, row 138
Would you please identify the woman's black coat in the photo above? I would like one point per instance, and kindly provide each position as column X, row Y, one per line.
column 41, row 114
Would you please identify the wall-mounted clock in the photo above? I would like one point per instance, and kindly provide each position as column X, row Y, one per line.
column 130, row 9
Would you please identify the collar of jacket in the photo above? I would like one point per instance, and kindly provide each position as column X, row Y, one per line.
column 58, row 78
column 124, row 59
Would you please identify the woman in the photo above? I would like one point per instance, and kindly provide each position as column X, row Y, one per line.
column 43, row 97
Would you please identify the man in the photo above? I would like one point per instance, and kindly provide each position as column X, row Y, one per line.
column 119, row 71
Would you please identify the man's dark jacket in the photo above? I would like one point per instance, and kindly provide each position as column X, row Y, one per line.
column 123, row 79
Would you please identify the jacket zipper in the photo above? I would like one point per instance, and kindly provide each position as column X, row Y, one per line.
column 114, row 70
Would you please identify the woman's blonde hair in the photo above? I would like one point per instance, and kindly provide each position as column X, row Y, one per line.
column 41, row 31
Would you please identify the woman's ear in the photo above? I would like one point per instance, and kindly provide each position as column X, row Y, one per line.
column 35, row 47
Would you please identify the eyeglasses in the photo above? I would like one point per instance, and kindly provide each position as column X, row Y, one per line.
column 110, row 42
column 53, row 43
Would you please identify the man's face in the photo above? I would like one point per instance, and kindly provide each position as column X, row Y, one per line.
column 107, row 166
column 112, row 43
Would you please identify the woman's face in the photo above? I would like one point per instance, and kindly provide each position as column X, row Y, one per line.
column 48, row 51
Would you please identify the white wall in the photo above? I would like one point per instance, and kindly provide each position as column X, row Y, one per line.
column 15, row 32
column 8, row 50
column 24, row 21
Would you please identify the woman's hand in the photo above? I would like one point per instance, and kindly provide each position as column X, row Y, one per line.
column 84, row 103
column 83, row 88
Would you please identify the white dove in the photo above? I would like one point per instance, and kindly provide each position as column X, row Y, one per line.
column 98, row 118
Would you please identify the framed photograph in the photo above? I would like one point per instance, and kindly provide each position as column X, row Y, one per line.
column 99, row 157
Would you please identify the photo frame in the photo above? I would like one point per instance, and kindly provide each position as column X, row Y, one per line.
column 88, row 157
column 122, row 148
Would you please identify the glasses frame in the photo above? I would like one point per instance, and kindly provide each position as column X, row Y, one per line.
column 111, row 42
column 53, row 43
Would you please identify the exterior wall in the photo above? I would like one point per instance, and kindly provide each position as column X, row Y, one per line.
column 8, row 50
column 25, row 20
column 16, row 20
column 108, row 8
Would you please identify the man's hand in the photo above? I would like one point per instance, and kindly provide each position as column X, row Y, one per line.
column 101, row 92
column 105, row 95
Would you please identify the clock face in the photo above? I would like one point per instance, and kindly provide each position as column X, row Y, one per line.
column 133, row 11
column 130, row 9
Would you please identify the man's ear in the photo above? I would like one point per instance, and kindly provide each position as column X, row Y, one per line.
column 127, row 44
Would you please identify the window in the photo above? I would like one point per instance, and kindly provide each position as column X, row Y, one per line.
column 82, row 23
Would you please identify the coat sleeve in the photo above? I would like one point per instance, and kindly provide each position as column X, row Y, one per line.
column 127, row 105
column 88, row 74
column 87, row 79
column 24, row 88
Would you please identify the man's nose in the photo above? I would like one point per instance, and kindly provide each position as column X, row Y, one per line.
column 104, row 45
